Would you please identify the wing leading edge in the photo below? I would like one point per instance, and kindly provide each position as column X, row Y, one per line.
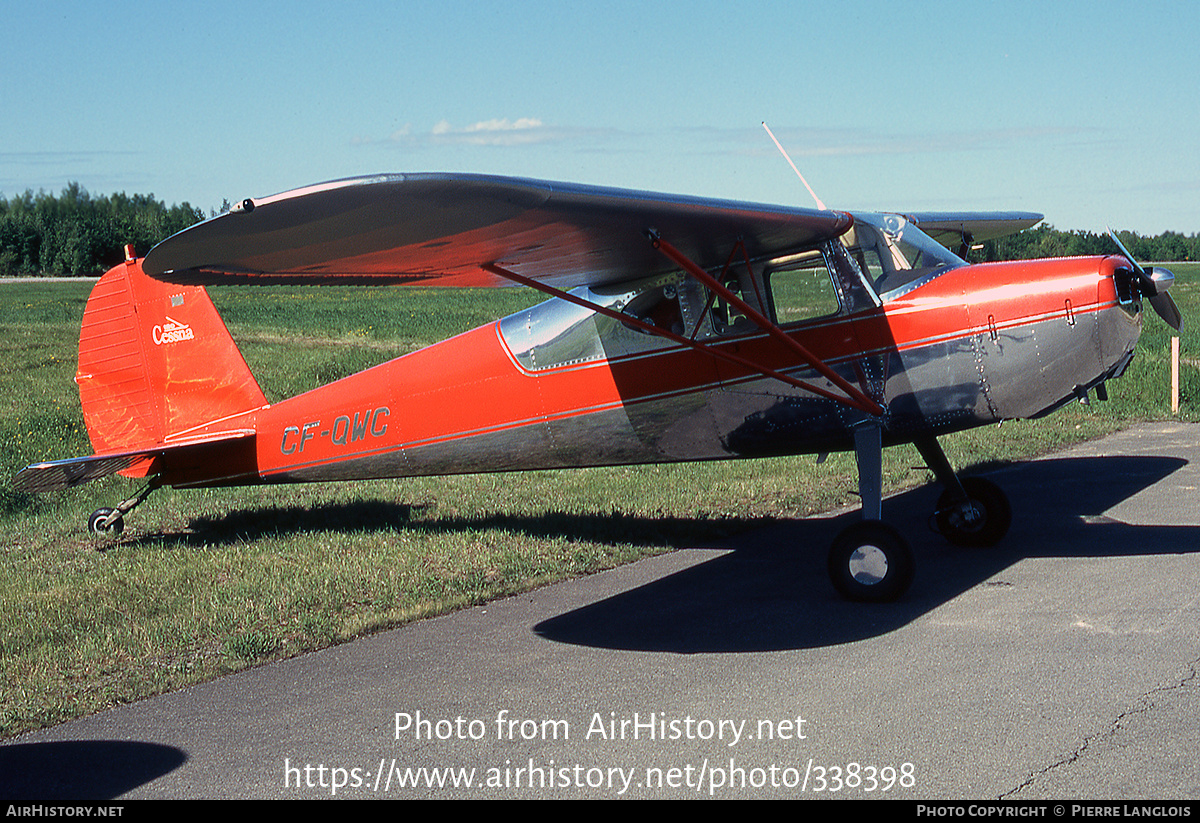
column 440, row 229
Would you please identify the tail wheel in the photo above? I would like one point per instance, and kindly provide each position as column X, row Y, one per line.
column 870, row 562
column 982, row 520
column 96, row 523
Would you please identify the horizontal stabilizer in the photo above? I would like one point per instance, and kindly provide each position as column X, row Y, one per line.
column 234, row 450
column 75, row 471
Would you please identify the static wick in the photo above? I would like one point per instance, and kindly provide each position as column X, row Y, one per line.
column 782, row 151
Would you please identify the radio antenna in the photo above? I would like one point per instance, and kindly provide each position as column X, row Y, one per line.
column 820, row 205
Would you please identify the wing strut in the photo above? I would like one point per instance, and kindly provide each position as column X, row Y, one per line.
column 854, row 397
column 853, row 400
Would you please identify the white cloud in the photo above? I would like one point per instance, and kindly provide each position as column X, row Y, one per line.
column 496, row 132
column 499, row 131
column 503, row 124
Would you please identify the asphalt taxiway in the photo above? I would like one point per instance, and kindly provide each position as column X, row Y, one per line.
column 1060, row 664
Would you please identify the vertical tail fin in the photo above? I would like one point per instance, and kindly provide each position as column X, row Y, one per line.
column 156, row 363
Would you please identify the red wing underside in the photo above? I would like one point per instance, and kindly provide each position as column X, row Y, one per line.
column 437, row 229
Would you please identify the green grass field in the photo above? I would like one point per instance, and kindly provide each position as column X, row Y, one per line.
column 206, row 582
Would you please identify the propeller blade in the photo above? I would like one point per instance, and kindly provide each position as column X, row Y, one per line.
column 1165, row 306
column 1137, row 269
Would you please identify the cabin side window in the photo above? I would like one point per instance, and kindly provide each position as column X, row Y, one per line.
column 802, row 289
column 819, row 282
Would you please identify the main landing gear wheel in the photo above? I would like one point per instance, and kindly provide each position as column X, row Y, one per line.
column 981, row 520
column 870, row 563
column 96, row 523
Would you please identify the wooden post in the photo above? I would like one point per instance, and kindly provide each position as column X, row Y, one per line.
column 1174, row 375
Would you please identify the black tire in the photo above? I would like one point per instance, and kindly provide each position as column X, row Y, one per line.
column 97, row 519
column 987, row 522
column 870, row 562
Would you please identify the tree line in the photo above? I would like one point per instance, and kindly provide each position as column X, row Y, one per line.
column 1046, row 241
column 76, row 233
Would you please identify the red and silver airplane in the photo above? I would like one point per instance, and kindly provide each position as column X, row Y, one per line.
column 677, row 329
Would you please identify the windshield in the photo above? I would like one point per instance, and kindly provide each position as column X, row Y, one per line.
column 894, row 254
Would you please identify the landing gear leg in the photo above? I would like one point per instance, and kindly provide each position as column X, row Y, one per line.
column 111, row 521
column 972, row 511
column 870, row 561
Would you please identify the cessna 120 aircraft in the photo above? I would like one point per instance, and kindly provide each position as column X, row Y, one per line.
column 677, row 329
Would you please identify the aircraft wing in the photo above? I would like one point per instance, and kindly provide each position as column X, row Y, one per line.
column 948, row 228
column 439, row 229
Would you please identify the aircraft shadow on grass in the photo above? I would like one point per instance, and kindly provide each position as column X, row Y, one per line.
column 382, row 516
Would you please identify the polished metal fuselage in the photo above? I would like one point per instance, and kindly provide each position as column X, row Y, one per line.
column 558, row 385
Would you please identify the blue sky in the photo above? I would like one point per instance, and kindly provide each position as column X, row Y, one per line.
column 1086, row 112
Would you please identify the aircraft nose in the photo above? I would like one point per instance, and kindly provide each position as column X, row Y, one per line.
column 1153, row 284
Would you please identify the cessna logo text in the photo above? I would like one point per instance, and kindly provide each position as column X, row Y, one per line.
column 172, row 332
